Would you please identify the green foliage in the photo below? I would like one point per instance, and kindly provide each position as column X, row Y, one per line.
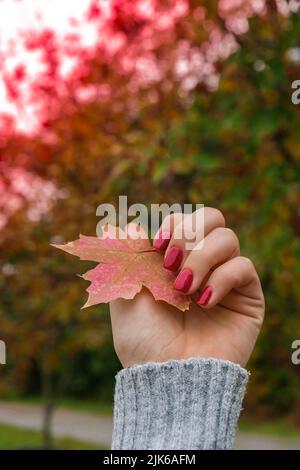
column 21, row 439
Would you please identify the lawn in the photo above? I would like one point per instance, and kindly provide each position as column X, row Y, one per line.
column 13, row 438
column 269, row 428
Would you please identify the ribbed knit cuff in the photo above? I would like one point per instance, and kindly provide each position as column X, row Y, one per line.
column 188, row 404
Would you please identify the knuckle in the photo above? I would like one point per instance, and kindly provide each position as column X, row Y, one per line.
column 243, row 270
column 229, row 234
column 233, row 238
column 247, row 263
column 216, row 214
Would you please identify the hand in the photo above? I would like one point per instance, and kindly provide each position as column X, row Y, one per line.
column 226, row 316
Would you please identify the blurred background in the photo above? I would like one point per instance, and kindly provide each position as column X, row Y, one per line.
column 163, row 101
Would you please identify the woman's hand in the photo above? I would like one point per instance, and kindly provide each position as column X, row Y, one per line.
column 226, row 316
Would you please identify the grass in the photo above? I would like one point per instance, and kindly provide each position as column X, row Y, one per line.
column 274, row 428
column 13, row 438
column 74, row 404
column 93, row 406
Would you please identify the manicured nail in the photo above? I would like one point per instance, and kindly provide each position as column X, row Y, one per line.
column 162, row 240
column 204, row 296
column 173, row 259
column 184, row 280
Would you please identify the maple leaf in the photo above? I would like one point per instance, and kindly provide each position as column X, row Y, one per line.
column 126, row 266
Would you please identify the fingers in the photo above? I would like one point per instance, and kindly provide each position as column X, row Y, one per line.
column 180, row 233
column 219, row 246
column 209, row 264
column 164, row 234
column 238, row 275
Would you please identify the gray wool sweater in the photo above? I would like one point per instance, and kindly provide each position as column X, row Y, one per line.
column 188, row 404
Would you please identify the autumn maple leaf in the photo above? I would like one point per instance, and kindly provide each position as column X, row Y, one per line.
column 125, row 267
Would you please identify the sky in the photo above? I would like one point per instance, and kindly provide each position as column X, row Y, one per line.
column 17, row 16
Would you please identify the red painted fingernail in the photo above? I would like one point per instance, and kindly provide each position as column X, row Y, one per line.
column 173, row 259
column 204, row 296
column 162, row 240
column 184, row 280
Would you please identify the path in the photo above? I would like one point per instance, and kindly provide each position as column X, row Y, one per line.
column 96, row 429
column 83, row 426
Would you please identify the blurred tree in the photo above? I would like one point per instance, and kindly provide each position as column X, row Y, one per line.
column 40, row 319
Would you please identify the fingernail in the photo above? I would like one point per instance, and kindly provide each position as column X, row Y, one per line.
column 184, row 280
column 161, row 241
column 173, row 259
column 204, row 296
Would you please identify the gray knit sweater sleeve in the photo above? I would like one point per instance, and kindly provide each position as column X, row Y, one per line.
column 188, row 404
